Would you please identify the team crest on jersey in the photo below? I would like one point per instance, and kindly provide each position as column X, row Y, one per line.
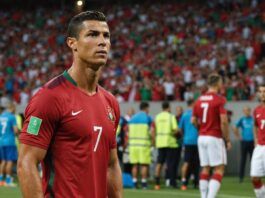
column 110, row 114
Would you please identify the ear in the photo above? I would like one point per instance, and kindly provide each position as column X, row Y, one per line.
column 71, row 42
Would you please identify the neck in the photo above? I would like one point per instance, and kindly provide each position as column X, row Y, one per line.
column 85, row 77
column 263, row 103
column 213, row 89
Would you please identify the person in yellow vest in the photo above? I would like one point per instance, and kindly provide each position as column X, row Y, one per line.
column 140, row 143
column 164, row 132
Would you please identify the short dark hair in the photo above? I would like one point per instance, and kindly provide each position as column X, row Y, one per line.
column 190, row 101
column 213, row 79
column 261, row 85
column 165, row 105
column 144, row 105
column 76, row 22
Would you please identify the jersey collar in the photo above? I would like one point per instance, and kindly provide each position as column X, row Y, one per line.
column 69, row 78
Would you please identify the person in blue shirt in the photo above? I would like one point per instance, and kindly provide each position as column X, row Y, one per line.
column 1, row 157
column 191, row 155
column 246, row 124
column 8, row 130
column 121, row 134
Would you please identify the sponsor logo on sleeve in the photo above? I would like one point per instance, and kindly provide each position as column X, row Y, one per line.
column 34, row 125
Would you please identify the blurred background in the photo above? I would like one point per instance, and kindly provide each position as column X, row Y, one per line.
column 161, row 50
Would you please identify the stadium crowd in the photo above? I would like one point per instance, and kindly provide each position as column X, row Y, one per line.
column 159, row 51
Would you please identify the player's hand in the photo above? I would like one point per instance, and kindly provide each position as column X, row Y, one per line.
column 228, row 145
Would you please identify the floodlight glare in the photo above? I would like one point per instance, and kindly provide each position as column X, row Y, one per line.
column 79, row 2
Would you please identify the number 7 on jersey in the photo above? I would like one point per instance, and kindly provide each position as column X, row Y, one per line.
column 97, row 129
column 205, row 107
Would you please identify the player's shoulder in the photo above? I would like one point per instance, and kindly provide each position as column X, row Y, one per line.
column 219, row 97
column 50, row 93
column 109, row 96
column 52, row 88
column 258, row 108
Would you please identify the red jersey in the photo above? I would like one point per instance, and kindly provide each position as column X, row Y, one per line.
column 259, row 119
column 78, row 131
column 207, row 110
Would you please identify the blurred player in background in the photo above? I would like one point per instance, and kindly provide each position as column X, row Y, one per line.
column 121, row 135
column 8, row 129
column 246, row 138
column 140, row 144
column 257, row 170
column 1, row 151
column 210, row 115
column 127, row 166
column 71, row 122
column 190, row 138
column 164, row 135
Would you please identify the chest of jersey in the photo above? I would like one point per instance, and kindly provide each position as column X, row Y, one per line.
column 260, row 119
column 88, row 122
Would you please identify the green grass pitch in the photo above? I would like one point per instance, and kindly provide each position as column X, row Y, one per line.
column 230, row 189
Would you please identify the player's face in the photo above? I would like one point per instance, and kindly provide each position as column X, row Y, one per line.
column 179, row 111
column 262, row 94
column 93, row 43
column 220, row 84
column 247, row 111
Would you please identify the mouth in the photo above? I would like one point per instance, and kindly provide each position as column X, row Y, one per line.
column 101, row 52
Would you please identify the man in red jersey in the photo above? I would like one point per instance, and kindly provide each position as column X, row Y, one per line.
column 70, row 124
column 210, row 116
column 257, row 170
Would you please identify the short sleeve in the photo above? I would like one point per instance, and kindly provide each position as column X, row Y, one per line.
column 222, row 106
column 41, row 119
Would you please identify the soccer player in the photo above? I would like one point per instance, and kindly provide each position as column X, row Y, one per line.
column 190, row 138
column 257, row 170
column 164, row 133
column 246, row 138
column 211, row 117
column 71, row 122
column 121, row 135
column 8, row 129
column 140, row 144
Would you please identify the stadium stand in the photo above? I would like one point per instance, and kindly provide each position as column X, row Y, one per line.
column 160, row 51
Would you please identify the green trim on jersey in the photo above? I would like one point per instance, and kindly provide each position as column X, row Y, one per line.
column 69, row 78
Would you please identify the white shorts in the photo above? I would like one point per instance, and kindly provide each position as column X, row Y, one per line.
column 212, row 151
column 258, row 162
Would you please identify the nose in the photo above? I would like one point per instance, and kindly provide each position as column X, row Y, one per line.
column 102, row 40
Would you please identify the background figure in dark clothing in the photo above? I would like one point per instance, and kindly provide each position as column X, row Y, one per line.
column 245, row 123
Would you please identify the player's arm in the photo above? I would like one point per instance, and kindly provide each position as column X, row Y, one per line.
column 225, row 129
column 27, row 168
column 114, row 176
column 236, row 133
column 236, row 130
column 16, row 130
column 194, row 121
column 153, row 133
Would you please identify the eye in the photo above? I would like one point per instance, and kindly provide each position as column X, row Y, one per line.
column 93, row 34
column 107, row 35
